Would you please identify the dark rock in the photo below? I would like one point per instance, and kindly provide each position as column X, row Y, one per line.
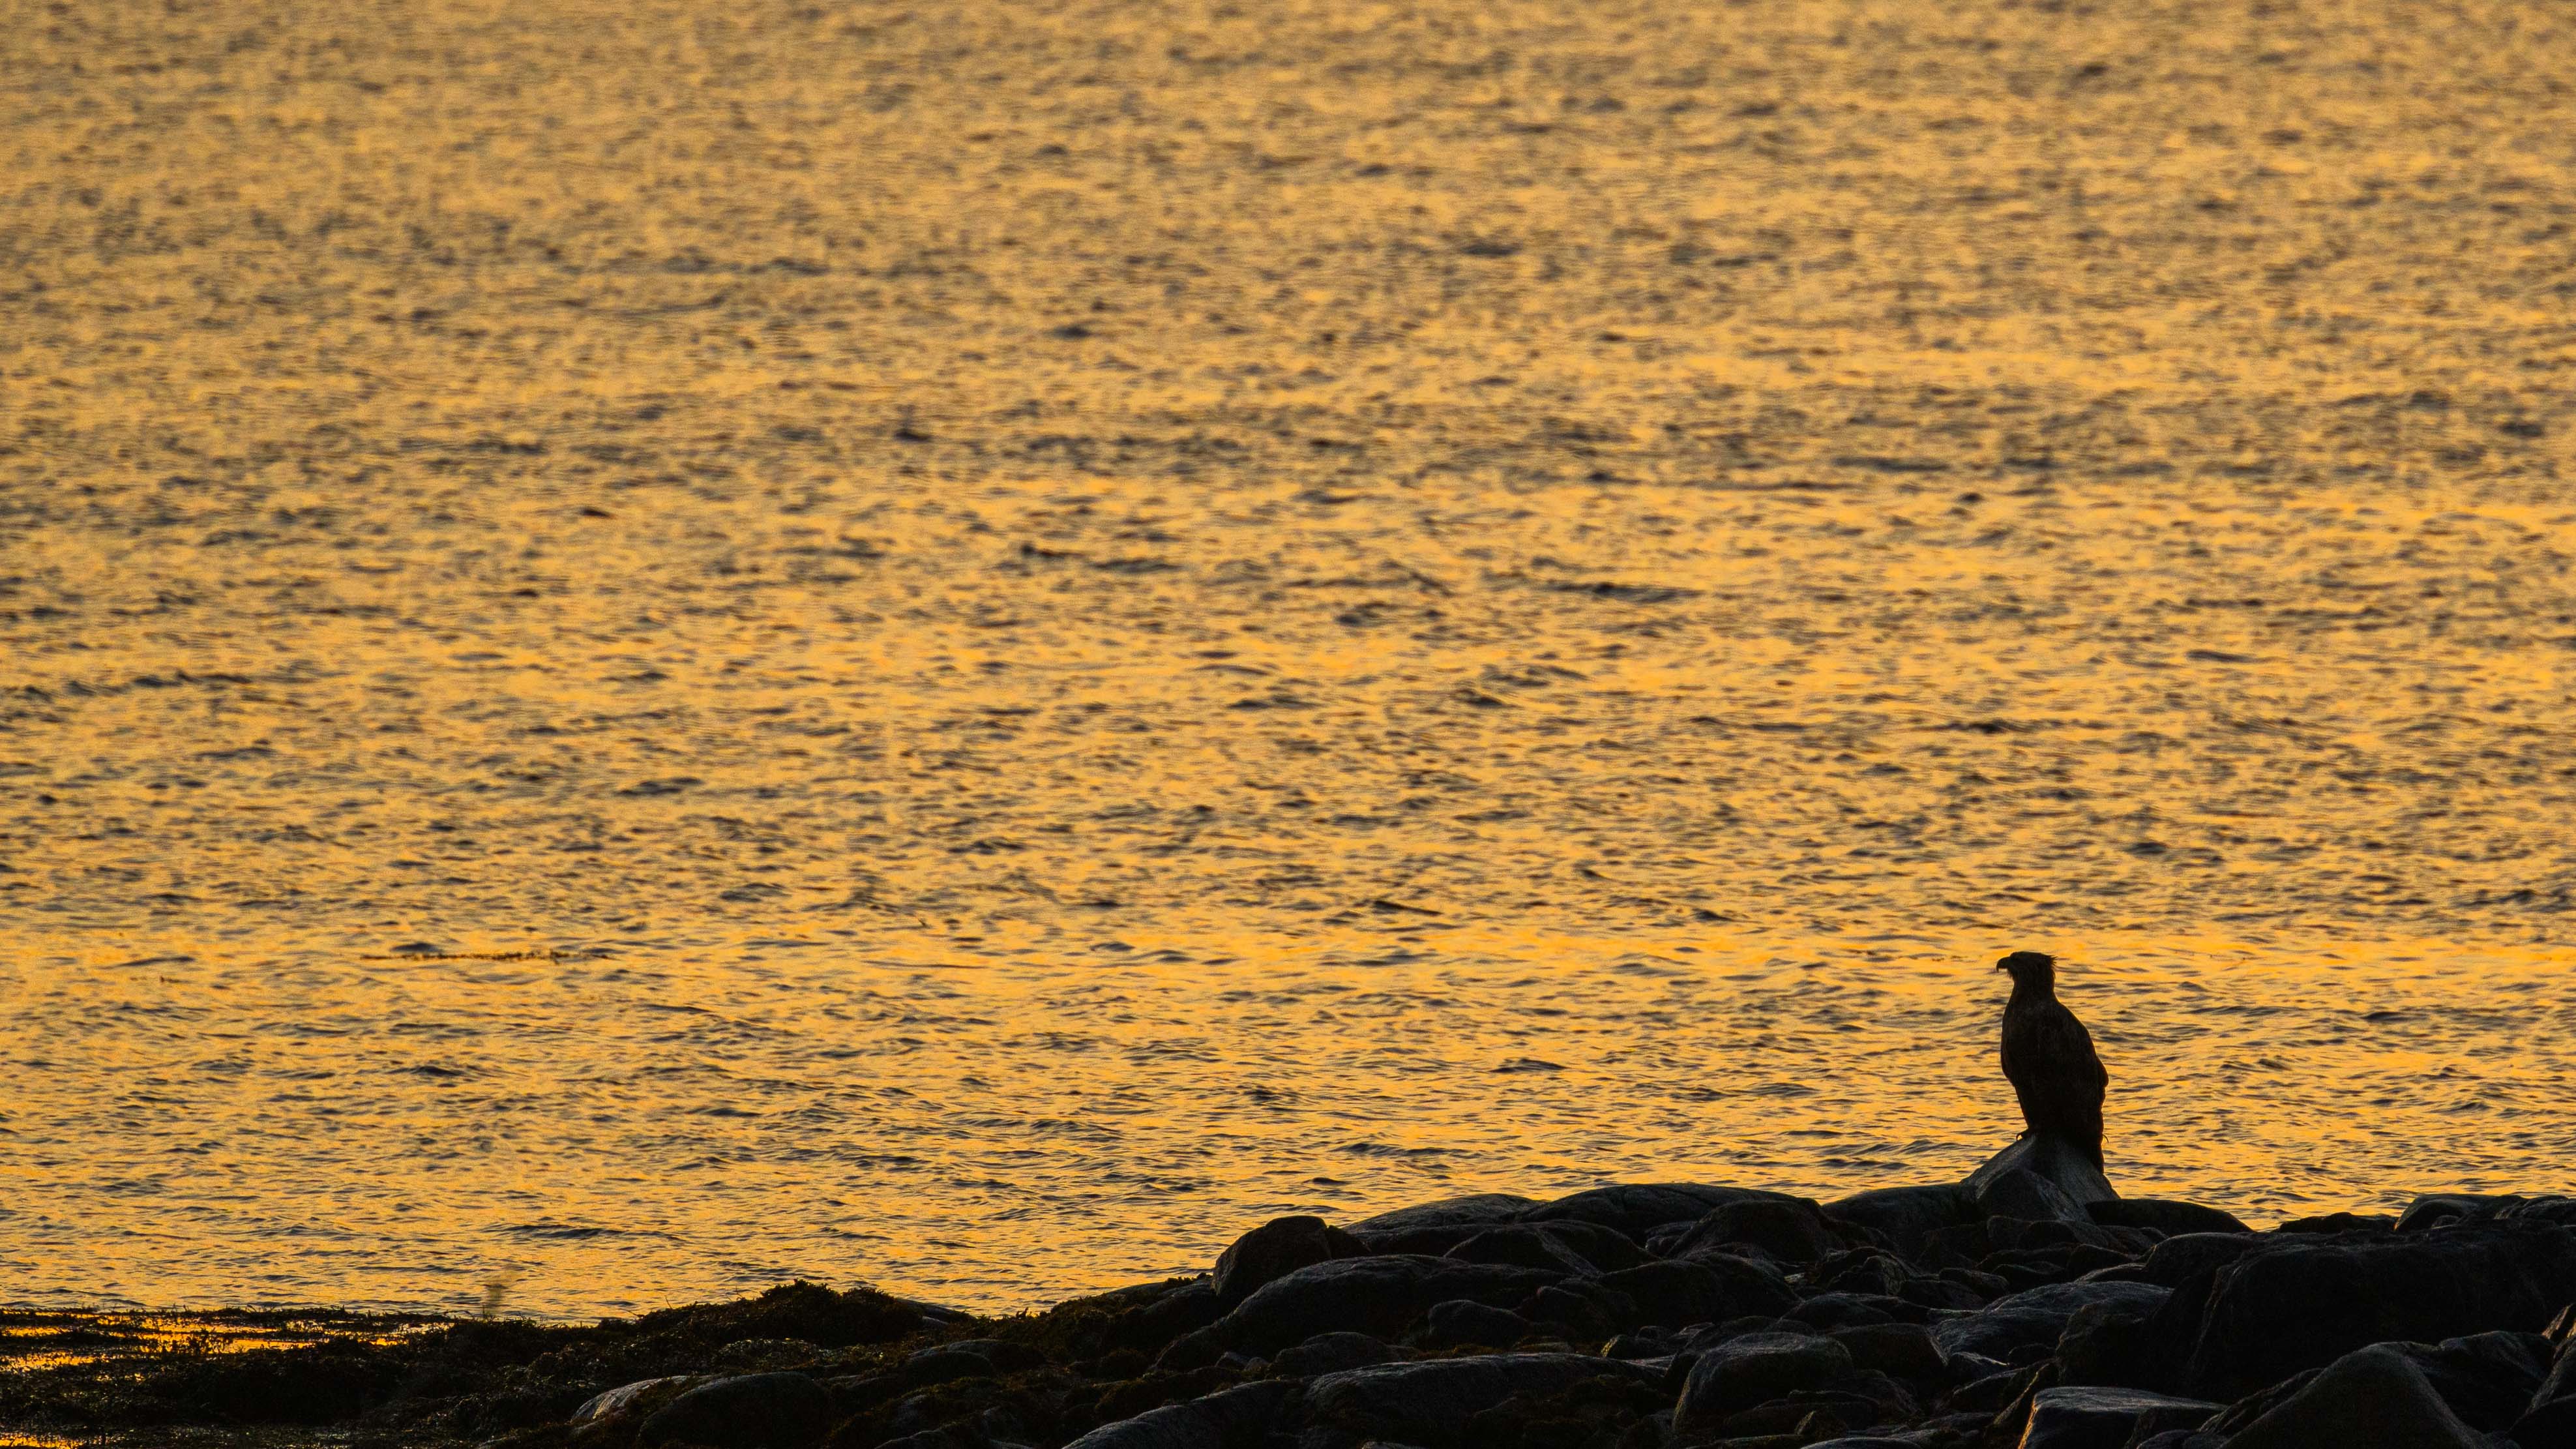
column 1906, row 1216
column 1635, row 1210
column 995, row 1430
column 1001, row 1355
column 1756, row 1369
column 2370, row 1396
column 2164, row 1216
column 2559, row 1386
column 1991, row 1387
column 1580, row 1308
column 750, row 1411
column 2488, row 1379
column 1430, row 1402
column 2452, row 1209
column 2099, row 1418
column 1892, row 1402
column 1237, row 1418
column 1709, row 1289
column 2338, row 1223
column 1793, row 1229
column 2547, row 1425
column 2553, row 1210
column 2178, row 1258
column 1381, row 1295
column 1462, row 1321
column 1826, row 1311
column 2036, row 1316
column 612, row 1401
column 1948, row 1294
column 1435, row 1228
column 1274, row 1250
column 1607, row 1249
column 1605, row 1409
column 2298, row 1302
column 1901, row 1350
column 1477, row 1210
column 1808, row 1413
column 2038, row 1177
column 1328, row 1353
column 1861, row 1270
column 1149, row 1322
column 2058, row 1263
column 1528, row 1245
column 860, row 1393
column 1987, row 1285
column 2114, row 1345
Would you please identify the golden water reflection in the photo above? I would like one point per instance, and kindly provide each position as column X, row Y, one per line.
column 643, row 649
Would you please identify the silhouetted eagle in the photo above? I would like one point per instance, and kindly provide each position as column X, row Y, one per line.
column 2049, row 1059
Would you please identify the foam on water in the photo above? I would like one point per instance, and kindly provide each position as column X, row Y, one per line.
column 642, row 651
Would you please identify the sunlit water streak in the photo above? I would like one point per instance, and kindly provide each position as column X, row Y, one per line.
column 643, row 651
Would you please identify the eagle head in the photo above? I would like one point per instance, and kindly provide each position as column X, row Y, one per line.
column 2036, row 967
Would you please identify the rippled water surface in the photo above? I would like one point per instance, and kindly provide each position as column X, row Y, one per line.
column 648, row 647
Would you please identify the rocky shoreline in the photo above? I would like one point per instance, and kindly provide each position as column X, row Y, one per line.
column 2028, row 1305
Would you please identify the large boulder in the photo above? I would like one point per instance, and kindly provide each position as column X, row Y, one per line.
column 1429, row 1402
column 1329, row 1353
column 2164, row 1216
column 1276, row 1249
column 2037, row 1178
column 1462, row 1322
column 748, row 1411
column 2445, row 1210
column 1238, row 1418
column 1794, row 1230
column 2488, row 1379
column 2084, row 1417
column 1382, row 1295
column 2039, row 1316
column 1476, row 1210
column 1559, row 1247
column 1436, row 1227
column 1636, row 1209
column 2178, row 1259
column 2299, row 1302
column 1707, row 1289
column 2373, row 1395
column 2550, row 1421
column 1899, row 1350
column 1744, row 1372
column 1907, row 1217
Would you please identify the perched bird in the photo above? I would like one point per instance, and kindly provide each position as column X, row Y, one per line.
column 2049, row 1058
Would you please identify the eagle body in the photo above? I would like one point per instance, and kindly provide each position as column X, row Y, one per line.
column 2049, row 1057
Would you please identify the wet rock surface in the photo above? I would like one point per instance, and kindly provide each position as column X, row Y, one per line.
column 1766, row 1322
